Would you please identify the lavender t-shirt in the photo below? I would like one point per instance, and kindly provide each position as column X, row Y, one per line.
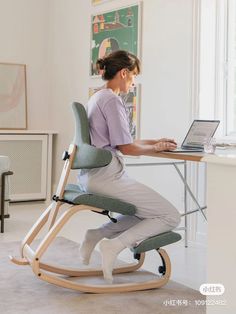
column 108, row 120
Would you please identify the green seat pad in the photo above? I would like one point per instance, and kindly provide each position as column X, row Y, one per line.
column 74, row 194
column 157, row 242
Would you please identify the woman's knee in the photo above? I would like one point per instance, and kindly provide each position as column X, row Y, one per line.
column 175, row 219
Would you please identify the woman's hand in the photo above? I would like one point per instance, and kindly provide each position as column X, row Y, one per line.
column 171, row 140
column 165, row 144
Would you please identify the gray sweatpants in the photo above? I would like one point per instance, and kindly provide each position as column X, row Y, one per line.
column 154, row 214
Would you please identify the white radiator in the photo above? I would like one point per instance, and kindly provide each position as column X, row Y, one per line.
column 28, row 158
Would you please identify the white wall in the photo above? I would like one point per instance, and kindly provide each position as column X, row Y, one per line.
column 167, row 67
column 23, row 33
column 69, row 56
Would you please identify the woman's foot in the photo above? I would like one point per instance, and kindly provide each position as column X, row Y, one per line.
column 109, row 250
column 92, row 237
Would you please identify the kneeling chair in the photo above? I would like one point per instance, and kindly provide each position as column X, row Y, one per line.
column 81, row 155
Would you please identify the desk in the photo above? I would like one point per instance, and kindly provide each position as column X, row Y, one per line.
column 221, row 214
column 180, row 156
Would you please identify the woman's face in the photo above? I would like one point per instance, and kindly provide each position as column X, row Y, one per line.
column 128, row 80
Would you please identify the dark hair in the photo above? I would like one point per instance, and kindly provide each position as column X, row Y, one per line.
column 115, row 61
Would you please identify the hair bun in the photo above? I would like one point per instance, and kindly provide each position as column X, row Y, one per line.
column 101, row 63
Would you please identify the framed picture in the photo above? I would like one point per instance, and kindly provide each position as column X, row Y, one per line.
column 93, row 90
column 132, row 103
column 95, row 2
column 13, row 102
column 115, row 30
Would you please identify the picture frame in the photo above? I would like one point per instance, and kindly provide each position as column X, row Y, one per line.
column 132, row 103
column 96, row 2
column 116, row 29
column 13, row 96
column 93, row 90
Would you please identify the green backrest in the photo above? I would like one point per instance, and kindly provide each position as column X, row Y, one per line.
column 87, row 156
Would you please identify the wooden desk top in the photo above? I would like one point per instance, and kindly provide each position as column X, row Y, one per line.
column 227, row 156
column 180, row 156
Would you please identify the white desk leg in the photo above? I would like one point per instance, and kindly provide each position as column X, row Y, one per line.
column 185, row 207
column 49, row 170
column 221, row 213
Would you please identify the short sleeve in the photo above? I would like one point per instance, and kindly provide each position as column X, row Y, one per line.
column 117, row 122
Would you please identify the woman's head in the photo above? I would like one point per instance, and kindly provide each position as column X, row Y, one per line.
column 117, row 61
column 121, row 65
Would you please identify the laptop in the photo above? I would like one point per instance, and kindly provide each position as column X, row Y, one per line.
column 199, row 132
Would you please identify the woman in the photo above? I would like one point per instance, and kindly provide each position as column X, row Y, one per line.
column 109, row 129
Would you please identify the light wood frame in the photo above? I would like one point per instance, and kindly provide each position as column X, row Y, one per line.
column 97, row 2
column 47, row 272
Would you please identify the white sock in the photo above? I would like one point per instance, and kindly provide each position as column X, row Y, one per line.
column 109, row 250
column 92, row 237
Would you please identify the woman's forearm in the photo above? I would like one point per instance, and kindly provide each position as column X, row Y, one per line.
column 145, row 142
column 136, row 149
column 146, row 147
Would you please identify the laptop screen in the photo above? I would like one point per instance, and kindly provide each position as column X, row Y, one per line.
column 199, row 132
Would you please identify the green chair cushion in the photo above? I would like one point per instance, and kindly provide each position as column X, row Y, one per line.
column 74, row 194
column 156, row 242
column 86, row 156
column 90, row 157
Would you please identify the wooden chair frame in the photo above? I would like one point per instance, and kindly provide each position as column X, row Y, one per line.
column 47, row 272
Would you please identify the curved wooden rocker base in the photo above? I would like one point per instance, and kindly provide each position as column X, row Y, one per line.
column 74, row 272
column 122, row 287
column 96, row 288
column 46, row 271
column 18, row 260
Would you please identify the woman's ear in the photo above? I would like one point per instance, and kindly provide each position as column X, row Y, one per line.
column 123, row 73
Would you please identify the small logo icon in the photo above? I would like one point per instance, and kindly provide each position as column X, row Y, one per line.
column 212, row 289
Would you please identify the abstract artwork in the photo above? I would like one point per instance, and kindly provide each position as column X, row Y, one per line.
column 132, row 103
column 114, row 30
column 13, row 96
